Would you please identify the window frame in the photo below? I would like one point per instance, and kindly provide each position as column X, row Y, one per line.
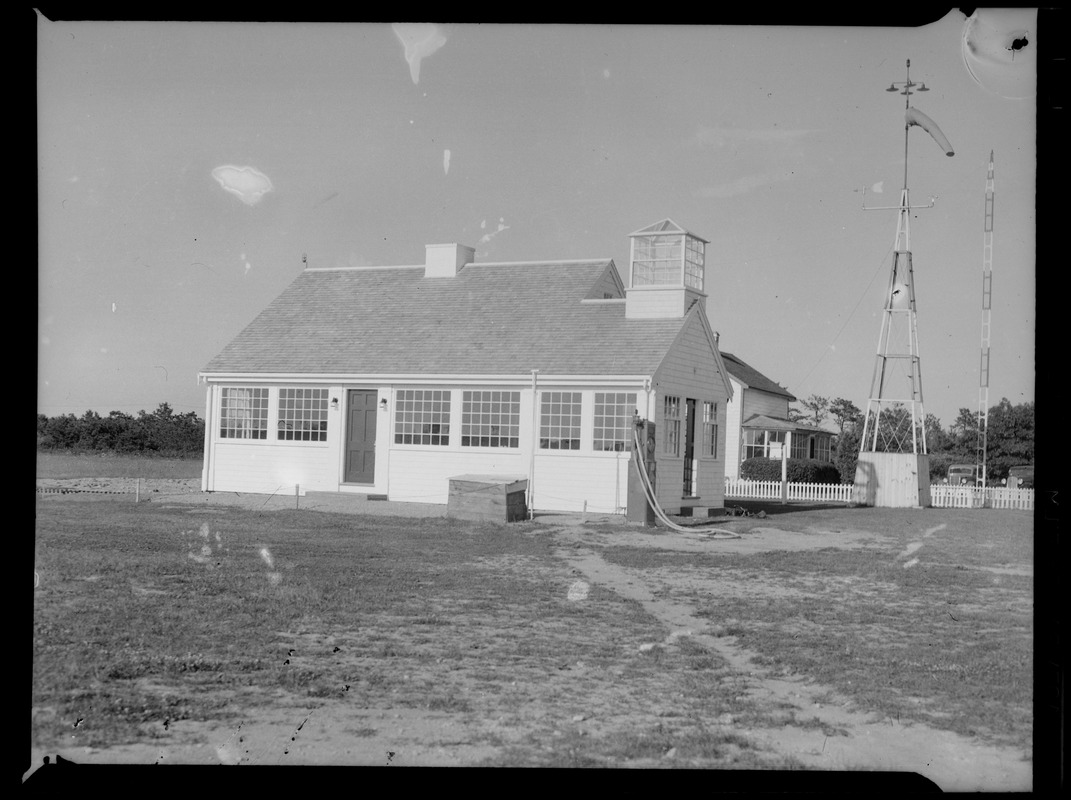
column 711, row 429
column 309, row 420
column 671, row 424
column 427, row 408
column 481, row 412
column 560, row 412
column 611, row 418
column 258, row 408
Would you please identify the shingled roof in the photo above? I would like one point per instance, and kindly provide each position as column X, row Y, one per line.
column 489, row 319
column 752, row 378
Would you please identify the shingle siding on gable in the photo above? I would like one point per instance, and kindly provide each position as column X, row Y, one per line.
column 759, row 402
column 690, row 371
column 608, row 286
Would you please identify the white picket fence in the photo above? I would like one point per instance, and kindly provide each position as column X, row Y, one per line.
column 771, row 490
column 941, row 495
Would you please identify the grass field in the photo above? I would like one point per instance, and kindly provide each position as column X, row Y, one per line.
column 146, row 614
column 949, row 642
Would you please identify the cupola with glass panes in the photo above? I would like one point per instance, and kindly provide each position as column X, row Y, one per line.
column 666, row 272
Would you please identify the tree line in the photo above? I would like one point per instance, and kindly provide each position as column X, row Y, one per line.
column 1009, row 435
column 162, row 432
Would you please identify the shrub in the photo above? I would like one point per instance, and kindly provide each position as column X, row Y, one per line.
column 799, row 470
column 160, row 433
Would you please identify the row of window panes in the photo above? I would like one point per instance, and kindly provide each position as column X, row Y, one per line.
column 816, row 447
column 244, row 413
column 671, row 424
column 613, row 421
column 559, row 425
column 710, row 428
column 492, row 419
column 648, row 273
column 302, row 414
column 658, row 247
column 422, row 416
column 756, row 443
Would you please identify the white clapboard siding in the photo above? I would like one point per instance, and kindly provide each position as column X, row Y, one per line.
column 257, row 468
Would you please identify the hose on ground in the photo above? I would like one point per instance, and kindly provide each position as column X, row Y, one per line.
column 648, row 490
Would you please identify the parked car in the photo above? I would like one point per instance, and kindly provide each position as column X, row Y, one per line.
column 1021, row 477
column 963, row 473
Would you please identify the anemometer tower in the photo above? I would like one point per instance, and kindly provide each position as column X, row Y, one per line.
column 987, row 298
column 893, row 464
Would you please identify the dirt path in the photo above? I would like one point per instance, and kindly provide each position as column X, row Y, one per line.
column 953, row 762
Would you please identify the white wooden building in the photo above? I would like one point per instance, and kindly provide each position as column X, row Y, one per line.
column 758, row 424
column 391, row 380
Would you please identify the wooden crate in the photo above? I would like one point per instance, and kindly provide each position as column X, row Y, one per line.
column 488, row 498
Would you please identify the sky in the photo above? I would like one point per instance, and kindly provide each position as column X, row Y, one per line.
column 187, row 171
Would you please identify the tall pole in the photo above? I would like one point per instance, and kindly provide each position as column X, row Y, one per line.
column 987, row 297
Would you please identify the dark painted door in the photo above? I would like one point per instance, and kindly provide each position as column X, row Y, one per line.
column 361, row 436
column 689, row 447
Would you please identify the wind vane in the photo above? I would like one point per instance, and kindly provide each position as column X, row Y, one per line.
column 895, row 420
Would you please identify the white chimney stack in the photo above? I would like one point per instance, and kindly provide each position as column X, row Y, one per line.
column 446, row 260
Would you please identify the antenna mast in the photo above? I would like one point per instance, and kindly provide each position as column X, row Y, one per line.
column 987, row 298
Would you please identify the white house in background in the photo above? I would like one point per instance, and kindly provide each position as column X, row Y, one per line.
column 757, row 421
column 392, row 380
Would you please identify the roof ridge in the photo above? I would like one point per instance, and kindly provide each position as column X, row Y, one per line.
column 541, row 262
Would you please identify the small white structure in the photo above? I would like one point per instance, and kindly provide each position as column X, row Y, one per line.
column 393, row 380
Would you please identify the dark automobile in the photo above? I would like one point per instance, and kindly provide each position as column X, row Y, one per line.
column 1021, row 477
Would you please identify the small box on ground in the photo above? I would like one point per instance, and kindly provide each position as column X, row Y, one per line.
column 488, row 498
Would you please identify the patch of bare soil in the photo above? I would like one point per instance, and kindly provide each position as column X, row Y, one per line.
column 148, row 487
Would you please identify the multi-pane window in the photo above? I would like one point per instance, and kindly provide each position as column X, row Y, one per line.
column 757, row 442
column 667, row 259
column 656, row 260
column 559, row 421
column 801, row 445
column 422, row 416
column 244, row 413
column 822, row 448
column 710, row 429
column 303, row 415
column 671, row 426
column 693, row 263
column 490, row 419
column 613, row 421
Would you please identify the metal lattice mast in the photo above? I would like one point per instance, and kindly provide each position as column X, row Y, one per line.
column 987, row 299
column 897, row 380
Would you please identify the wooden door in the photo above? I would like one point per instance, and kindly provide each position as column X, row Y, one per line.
column 688, row 490
column 361, row 436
